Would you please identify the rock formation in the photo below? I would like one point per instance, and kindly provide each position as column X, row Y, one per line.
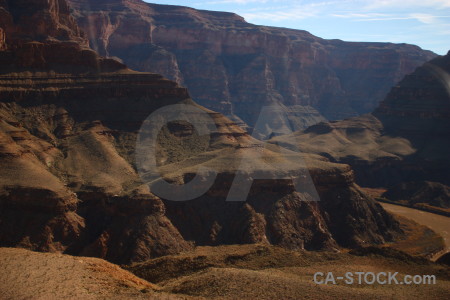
column 431, row 193
column 406, row 139
column 68, row 178
column 235, row 68
column 27, row 274
column 444, row 259
column 43, row 36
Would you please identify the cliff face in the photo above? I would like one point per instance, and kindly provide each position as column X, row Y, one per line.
column 37, row 20
column 62, row 178
column 64, row 185
column 68, row 181
column 43, row 36
column 405, row 139
column 419, row 106
column 235, row 67
column 412, row 193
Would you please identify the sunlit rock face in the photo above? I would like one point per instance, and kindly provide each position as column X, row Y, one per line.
column 69, row 180
column 235, row 68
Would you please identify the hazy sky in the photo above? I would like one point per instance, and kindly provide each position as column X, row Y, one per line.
column 422, row 22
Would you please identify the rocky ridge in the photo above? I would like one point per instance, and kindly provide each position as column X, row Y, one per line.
column 404, row 140
column 69, row 182
column 44, row 36
column 425, row 192
column 235, row 67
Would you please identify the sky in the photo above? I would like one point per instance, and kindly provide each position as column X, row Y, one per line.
column 425, row 23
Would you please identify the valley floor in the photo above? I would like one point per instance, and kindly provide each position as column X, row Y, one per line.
column 438, row 223
column 237, row 271
column 224, row 272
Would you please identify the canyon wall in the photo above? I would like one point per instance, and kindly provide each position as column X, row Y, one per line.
column 43, row 36
column 406, row 139
column 235, row 67
column 69, row 181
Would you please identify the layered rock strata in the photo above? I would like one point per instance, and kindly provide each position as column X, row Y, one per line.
column 69, row 182
column 235, row 67
column 406, row 139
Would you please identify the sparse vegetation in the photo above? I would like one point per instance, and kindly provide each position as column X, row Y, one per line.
column 418, row 239
column 268, row 272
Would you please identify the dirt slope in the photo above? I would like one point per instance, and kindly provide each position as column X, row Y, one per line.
column 267, row 272
column 31, row 275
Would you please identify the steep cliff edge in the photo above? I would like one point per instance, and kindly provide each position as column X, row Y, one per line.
column 59, row 160
column 406, row 139
column 64, row 187
column 69, row 182
column 43, row 36
column 235, row 68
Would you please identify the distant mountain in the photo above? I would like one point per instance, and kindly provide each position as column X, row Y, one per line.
column 235, row 68
column 406, row 139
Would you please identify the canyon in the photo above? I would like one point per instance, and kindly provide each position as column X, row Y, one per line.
column 235, row 68
column 78, row 158
column 69, row 122
column 402, row 145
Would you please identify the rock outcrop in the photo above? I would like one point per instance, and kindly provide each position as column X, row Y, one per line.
column 425, row 192
column 406, row 139
column 235, row 68
column 43, row 36
column 2, row 39
column 444, row 259
column 26, row 274
column 69, row 181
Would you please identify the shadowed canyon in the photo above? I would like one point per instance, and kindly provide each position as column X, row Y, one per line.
column 78, row 81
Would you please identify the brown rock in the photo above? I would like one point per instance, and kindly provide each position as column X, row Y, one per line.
column 43, row 36
column 67, row 157
column 28, row 274
column 404, row 140
column 235, row 68
column 431, row 193
column 2, row 39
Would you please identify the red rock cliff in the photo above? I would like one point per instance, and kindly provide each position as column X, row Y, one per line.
column 235, row 67
column 42, row 35
column 68, row 181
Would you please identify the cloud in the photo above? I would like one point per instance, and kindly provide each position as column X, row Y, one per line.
column 426, row 18
column 359, row 15
column 423, row 22
column 422, row 18
column 359, row 10
column 407, row 4
column 290, row 10
column 276, row 16
column 357, row 5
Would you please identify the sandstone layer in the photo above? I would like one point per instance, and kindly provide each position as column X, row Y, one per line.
column 69, row 181
column 406, row 139
column 235, row 67
column 43, row 36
